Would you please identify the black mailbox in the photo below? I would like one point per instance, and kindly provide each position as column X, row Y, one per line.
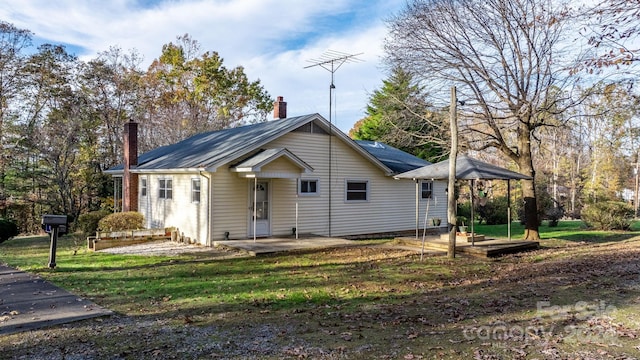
column 54, row 220
column 56, row 223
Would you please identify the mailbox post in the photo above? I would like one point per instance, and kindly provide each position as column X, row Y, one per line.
column 53, row 225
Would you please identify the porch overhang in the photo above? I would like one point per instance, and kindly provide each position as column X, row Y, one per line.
column 278, row 163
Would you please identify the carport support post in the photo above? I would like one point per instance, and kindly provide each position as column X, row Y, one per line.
column 52, row 249
column 451, row 188
column 473, row 184
column 509, row 209
column 417, row 206
column 255, row 204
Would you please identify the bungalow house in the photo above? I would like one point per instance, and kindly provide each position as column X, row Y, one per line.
column 298, row 174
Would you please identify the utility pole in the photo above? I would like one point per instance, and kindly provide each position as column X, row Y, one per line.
column 451, row 189
column 635, row 191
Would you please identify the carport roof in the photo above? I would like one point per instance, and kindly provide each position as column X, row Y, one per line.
column 466, row 168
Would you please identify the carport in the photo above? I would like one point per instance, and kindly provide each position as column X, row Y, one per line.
column 471, row 169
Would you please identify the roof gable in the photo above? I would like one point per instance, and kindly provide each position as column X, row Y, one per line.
column 265, row 157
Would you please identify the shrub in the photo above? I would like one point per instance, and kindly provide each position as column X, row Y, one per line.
column 608, row 215
column 554, row 215
column 461, row 220
column 121, row 221
column 464, row 209
column 8, row 229
column 494, row 212
column 88, row 223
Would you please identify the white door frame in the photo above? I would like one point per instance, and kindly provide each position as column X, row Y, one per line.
column 254, row 230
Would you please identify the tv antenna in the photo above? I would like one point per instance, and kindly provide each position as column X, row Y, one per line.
column 331, row 61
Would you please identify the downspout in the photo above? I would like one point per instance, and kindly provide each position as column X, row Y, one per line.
column 417, row 206
column 115, row 194
column 209, row 207
column 298, row 184
column 255, row 206
column 149, row 200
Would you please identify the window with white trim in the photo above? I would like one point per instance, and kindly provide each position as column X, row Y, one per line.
column 165, row 189
column 426, row 189
column 195, row 190
column 143, row 187
column 308, row 187
column 357, row 190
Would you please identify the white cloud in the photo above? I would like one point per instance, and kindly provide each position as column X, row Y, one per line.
column 272, row 39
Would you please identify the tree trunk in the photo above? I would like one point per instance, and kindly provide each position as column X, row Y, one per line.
column 530, row 211
column 525, row 162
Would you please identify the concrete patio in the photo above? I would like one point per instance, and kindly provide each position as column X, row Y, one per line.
column 277, row 245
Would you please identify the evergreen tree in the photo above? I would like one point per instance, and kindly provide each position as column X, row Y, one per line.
column 399, row 115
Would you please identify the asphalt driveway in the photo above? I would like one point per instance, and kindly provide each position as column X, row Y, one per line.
column 28, row 302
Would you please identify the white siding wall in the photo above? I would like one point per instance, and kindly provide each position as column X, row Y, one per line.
column 313, row 211
column 390, row 207
column 179, row 211
column 230, row 204
column 391, row 204
column 437, row 205
column 283, row 208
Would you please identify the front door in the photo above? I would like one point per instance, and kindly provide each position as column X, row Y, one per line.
column 260, row 219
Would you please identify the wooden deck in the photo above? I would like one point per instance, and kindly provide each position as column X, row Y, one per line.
column 481, row 248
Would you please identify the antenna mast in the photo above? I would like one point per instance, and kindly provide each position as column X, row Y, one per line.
column 331, row 61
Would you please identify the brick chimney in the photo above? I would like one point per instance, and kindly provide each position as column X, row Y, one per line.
column 130, row 180
column 280, row 108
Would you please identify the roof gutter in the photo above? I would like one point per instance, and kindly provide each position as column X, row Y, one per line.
column 163, row 171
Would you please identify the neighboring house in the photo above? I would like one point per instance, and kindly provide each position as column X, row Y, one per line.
column 273, row 179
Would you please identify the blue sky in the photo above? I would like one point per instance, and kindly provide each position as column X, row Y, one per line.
column 272, row 39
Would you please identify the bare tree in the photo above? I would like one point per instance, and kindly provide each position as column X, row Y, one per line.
column 611, row 27
column 505, row 57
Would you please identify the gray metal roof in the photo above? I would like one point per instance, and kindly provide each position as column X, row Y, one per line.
column 208, row 151
column 395, row 159
column 466, row 168
column 211, row 149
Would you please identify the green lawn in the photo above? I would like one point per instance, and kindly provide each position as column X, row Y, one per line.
column 567, row 230
column 362, row 302
column 276, row 281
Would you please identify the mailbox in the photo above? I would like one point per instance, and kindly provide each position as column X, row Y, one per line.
column 54, row 224
column 54, row 220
